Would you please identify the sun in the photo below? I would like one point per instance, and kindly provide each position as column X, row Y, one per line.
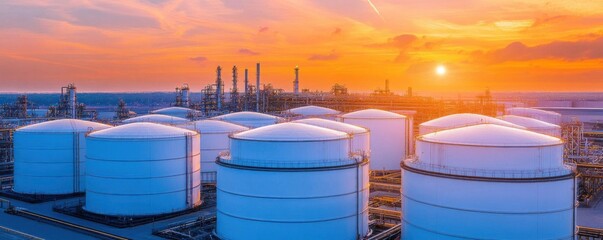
column 440, row 70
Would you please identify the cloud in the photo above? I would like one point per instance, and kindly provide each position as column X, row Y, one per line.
column 106, row 19
column 30, row 18
column 246, row 51
column 263, row 29
column 198, row 59
column 403, row 41
column 563, row 50
column 324, row 57
column 337, row 31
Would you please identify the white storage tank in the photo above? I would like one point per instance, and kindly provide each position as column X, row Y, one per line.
column 157, row 118
column 180, row 112
column 292, row 181
column 214, row 139
column 142, row 169
column 250, row 119
column 488, row 182
column 361, row 137
column 389, row 136
column 312, row 112
column 460, row 120
column 50, row 156
column 534, row 125
column 542, row 115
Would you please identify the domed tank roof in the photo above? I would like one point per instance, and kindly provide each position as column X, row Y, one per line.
column 312, row 111
column 490, row 135
column 372, row 114
column 156, row 118
column 339, row 126
column 465, row 119
column 173, row 110
column 214, row 126
column 63, row 125
column 512, row 111
column 528, row 122
column 141, row 130
column 291, row 132
column 245, row 115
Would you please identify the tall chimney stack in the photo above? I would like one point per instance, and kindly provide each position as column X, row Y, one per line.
column 219, row 88
column 246, row 89
column 257, row 88
column 296, row 82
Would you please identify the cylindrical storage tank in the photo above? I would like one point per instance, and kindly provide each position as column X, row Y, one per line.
column 542, row 115
column 360, row 136
column 142, row 169
column 534, row 125
column 249, row 119
column 389, row 133
column 180, row 112
column 214, row 139
column 554, row 103
column 157, row 118
column 460, row 120
column 312, row 112
column 50, row 156
column 292, row 181
column 487, row 182
column 410, row 117
column 588, row 104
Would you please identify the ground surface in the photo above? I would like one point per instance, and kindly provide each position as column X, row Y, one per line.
column 49, row 231
column 592, row 216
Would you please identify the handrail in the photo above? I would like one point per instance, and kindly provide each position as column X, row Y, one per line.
column 472, row 172
column 225, row 157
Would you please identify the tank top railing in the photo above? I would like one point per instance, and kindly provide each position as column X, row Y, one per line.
column 471, row 172
column 225, row 157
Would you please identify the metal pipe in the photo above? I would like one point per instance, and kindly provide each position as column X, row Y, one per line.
column 219, row 88
column 246, row 89
column 257, row 88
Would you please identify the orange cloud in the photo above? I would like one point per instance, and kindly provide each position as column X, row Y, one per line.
column 157, row 44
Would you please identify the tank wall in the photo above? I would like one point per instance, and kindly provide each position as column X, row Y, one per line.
column 444, row 208
column 388, row 141
column 490, row 158
column 142, row 176
column 45, row 164
column 555, row 132
column 275, row 151
column 303, row 205
column 212, row 144
column 361, row 142
column 554, row 119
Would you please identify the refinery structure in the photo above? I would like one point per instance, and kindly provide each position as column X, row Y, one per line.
column 263, row 163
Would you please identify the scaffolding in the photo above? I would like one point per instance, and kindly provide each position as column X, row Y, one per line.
column 182, row 96
column 68, row 107
column 235, row 104
column 122, row 112
column 19, row 109
column 6, row 151
column 572, row 134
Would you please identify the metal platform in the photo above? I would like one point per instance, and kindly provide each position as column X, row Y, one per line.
column 199, row 229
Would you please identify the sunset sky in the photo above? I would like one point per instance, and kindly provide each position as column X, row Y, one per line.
column 156, row 45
